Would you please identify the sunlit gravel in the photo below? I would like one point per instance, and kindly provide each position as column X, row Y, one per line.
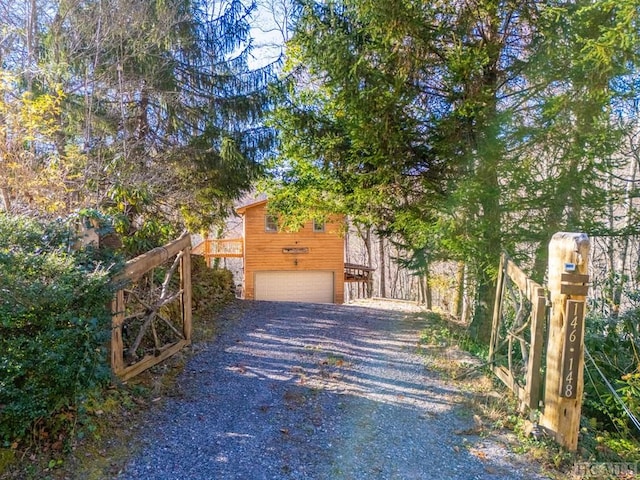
column 301, row 391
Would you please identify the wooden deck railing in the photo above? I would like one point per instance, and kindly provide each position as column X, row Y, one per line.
column 212, row 248
column 361, row 275
column 146, row 325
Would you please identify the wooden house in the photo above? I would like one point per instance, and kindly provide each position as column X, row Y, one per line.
column 302, row 266
column 306, row 265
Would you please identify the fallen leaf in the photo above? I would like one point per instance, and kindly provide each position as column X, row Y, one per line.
column 479, row 454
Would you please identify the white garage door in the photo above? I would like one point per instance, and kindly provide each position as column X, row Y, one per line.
column 310, row 286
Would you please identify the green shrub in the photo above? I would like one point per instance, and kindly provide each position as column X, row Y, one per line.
column 614, row 346
column 54, row 322
column 212, row 287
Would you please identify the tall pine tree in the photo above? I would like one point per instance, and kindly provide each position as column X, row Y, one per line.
column 162, row 116
column 488, row 122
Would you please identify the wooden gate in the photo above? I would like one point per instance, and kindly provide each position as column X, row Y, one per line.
column 516, row 348
column 517, row 337
column 152, row 310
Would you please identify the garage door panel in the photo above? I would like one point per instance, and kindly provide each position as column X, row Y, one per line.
column 295, row 286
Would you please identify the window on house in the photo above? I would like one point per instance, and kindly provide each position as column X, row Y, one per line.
column 270, row 223
column 318, row 227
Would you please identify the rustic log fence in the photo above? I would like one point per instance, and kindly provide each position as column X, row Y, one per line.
column 151, row 311
column 516, row 348
column 544, row 366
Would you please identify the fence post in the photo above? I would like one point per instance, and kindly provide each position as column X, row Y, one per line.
column 117, row 309
column 533, row 378
column 497, row 310
column 568, row 284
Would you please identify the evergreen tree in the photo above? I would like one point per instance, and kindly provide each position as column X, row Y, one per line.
column 486, row 122
column 162, row 117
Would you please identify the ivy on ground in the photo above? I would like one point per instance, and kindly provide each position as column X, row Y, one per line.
column 54, row 323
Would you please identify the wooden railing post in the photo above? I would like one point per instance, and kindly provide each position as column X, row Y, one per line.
column 117, row 349
column 568, row 284
column 534, row 379
column 528, row 392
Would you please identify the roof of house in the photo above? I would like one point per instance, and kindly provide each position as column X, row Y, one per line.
column 255, row 203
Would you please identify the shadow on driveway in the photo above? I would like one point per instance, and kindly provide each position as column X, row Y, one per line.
column 306, row 391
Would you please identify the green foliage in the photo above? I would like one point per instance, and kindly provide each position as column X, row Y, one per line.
column 162, row 103
column 480, row 126
column 152, row 233
column 7, row 457
column 212, row 288
column 54, row 322
column 132, row 210
column 614, row 346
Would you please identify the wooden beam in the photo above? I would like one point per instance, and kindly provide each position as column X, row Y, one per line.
column 524, row 283
column 574, row 278
column 505, row 376
column 534, row 374
column 150, row 360
column 133, row 270
column 117, row 319
column 186, row 297
column 568, row 254
column 497, row 309
column 579, row 290
column 138, row 266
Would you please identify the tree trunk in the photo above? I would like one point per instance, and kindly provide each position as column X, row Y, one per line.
column 427, row 289
column 490, row 236
column 620, row 265
column 468, row 289
column 32, row 42
column 6, row 199
column 480, row 327
column 486, row 149
column 366, row 237
column 383, row 273
column 459, row 301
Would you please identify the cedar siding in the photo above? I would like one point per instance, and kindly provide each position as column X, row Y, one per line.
column 304, row 250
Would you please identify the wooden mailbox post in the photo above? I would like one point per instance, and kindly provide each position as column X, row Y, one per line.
column 568, row 285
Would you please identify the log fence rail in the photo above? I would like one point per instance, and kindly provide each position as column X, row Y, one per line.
column 145, row 307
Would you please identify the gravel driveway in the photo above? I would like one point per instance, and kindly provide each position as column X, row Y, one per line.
column 302, row 391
